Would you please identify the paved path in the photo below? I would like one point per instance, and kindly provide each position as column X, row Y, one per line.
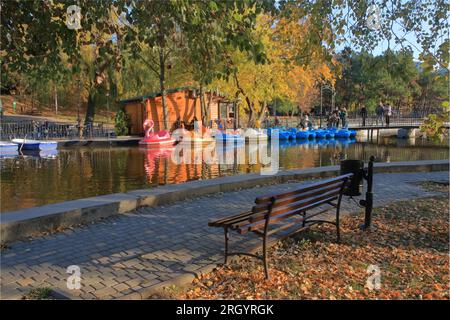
column 145, row 247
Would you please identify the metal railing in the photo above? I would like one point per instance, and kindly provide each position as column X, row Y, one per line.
column 51, row 130
column 352, row 121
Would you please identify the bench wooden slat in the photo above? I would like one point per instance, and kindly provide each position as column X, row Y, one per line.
column 254, row 225
column 267, row 198
column 222, row 221
column 300, row 196
column 296, row 206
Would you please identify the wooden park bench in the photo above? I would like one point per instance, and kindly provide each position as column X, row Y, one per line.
column 276, row 212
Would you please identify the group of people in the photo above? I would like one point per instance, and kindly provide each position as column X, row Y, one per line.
column 336, row 117
column 383, row 113
column 192, row 125
column 305, row 121
column 196, row 125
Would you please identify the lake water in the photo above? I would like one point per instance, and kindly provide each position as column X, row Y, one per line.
column 78, row 172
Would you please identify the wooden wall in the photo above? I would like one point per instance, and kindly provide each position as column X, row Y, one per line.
column 179, row 104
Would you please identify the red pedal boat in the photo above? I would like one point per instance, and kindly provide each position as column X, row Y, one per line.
column 161, row 139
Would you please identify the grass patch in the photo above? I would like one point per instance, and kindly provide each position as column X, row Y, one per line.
column 38, row 294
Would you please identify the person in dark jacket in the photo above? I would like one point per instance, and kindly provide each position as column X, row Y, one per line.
column 363, row 113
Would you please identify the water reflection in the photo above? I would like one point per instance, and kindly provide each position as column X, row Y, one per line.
column 29, row 180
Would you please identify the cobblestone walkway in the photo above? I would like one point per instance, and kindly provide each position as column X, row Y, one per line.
column 151, row 245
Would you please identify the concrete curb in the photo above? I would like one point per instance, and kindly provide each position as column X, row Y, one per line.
column 21, row 224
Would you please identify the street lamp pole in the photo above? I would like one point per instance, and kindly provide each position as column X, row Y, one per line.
column 321, row 103
column 324, row 86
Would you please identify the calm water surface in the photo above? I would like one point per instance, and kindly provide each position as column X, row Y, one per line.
column 37, row 179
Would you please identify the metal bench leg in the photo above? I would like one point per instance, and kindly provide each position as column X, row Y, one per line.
column 226, row 244
column 266, row 266
column 338, row 232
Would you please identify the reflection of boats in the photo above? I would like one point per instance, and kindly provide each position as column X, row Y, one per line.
column 345, row 141
column 151, row 155
column 28, row 144
column 48, row 154
column 155, row 140
column 284, row 143
column 44, row 154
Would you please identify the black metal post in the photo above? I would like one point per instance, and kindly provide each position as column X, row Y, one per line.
column 368, row 202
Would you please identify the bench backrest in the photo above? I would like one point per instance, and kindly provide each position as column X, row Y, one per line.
column 281, row 206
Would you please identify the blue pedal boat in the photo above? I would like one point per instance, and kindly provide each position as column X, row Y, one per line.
column 343, row 133
column 229, row 137
column 28, row 144
column 302, row 135
column 8, row 149
column 320, row 134
column 311, row 134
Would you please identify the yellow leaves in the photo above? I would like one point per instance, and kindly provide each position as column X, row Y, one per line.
column 282, row 77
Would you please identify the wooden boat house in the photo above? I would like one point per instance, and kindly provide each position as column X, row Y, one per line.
column 182, row 103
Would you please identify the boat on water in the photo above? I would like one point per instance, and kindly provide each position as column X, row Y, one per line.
column 329, row 134
column 320, row 134
column 343, row 133
column 160, row 139
column 302, row 134
column 8, row 149
column 229, row 135
column 311, row 134
column 6, row 145
column 255, row 134
column 187, row 137
column 28, row 144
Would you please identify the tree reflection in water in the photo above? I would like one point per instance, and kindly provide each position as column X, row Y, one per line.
column 74, row 173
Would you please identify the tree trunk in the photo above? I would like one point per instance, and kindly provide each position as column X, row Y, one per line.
column 208, row 108
column 202, row 105
column 262, row 112
column 163, row 88
column 90, row 110
column 56, row 100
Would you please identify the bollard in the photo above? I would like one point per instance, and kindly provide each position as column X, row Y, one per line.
column 368, row 202
column 355, row 185
column 356, row 182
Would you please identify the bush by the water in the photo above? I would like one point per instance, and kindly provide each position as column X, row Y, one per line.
column 121, row 123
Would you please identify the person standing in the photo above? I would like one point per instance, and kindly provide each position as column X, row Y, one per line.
column 380, row 112
column 343, row 117
column 276, row 122
column 388, row 114
column 363, row 113
column 1, row 110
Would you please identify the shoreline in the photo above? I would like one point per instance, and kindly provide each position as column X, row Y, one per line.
column 24, row 223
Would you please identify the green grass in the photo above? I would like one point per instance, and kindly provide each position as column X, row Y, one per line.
column 38, row 294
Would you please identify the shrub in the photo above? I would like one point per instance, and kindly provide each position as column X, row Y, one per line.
column 121, row 123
